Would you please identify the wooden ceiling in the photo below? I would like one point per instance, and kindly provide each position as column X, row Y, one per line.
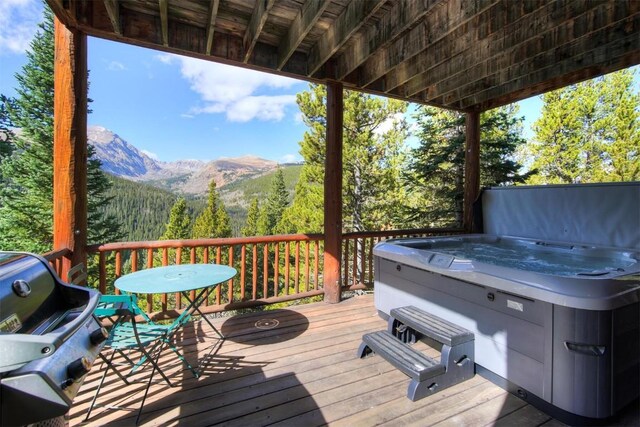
column 457, row 54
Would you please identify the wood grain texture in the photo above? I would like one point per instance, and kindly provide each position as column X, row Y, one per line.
column 70, row 145
column 303, row 372
column 333, row 194
column 455, row 54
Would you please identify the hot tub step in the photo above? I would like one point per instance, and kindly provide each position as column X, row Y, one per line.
column 428, row 376
column 429, row 325
column 411, row 362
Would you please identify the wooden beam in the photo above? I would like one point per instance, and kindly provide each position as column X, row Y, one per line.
column 258, row 19
column 471, row 168
column 599, row 52
column 211, row 24
column 113, row 10
column 504, row 45
column 333, row 194
column 303, row 23
column 447, row 24
column 401, row 17
column 66, row 15
column 164, row 21
column 350, row 20
column 70, row 144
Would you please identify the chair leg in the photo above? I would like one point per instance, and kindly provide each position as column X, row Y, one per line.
column 104, row 376
column 146, row 391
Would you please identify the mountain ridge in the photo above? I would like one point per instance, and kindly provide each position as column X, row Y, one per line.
column 191, row 177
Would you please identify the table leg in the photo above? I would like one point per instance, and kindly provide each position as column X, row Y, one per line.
column 194, row 306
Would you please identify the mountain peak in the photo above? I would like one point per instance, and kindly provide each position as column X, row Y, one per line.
column 123, row 159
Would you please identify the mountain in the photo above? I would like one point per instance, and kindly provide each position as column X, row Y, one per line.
column 118, row 156
column 189, row 177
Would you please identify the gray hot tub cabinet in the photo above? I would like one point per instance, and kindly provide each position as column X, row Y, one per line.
column 573, row 361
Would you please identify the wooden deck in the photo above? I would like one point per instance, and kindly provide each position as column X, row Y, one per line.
column 301, row 372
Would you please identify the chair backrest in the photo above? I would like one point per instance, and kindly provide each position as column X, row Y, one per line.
column 77, row 275
column 112, row 306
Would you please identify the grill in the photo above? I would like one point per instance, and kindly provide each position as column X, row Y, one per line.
column 49, row 339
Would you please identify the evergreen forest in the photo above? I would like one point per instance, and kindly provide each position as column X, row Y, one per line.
column 587, row 132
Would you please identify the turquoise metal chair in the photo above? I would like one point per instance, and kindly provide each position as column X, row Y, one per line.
column 138, row 344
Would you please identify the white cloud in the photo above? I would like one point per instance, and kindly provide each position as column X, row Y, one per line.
column 165, row 58
column 18, row 24
column 116, row 66
column 150, row 154
column 186, row 116
column 290, row 158
column 232, row 90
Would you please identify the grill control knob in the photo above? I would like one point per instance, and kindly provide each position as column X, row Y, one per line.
column 98, row 336
column 78, row 368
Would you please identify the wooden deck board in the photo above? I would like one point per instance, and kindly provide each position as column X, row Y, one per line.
column 305, row 372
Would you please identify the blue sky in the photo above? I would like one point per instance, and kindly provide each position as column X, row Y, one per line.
column 176, row 107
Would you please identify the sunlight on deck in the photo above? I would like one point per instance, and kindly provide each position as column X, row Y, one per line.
column 296, row 366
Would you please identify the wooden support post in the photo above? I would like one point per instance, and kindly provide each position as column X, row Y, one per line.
column 333, row 194
column 471, row 168
column 70, row 144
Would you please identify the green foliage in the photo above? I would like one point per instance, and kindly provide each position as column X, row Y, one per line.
column 373, row 157
column 179, row 225
column 7, row 137
column 436, row 173
column 26, row 199
column 140, row 209
column 274, row 206
column 588, row 132
column 214, row 220
column 251, row 226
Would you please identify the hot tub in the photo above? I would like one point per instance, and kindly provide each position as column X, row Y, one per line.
column 556, row 322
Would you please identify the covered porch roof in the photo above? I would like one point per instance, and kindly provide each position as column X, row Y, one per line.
column 456, row 54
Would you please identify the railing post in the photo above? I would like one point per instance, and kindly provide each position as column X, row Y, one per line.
column 333, row 194
column 471, row 168
column 70, row 144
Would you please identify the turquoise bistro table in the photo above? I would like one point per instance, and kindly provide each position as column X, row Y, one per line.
column 179, row 278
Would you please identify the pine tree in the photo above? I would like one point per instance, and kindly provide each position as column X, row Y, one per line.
column 274, row 206
column 251, row 225
column 205, row 224
column 214, row 220
column 373, row 156
column 179, row 225
column 436, row 173
column 7, row 137
column 224, row 222
column 588, row 132
column 26, row 199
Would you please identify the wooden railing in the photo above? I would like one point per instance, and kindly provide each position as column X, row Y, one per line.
column 55, row 259
column 271, row 269
column 357, row 253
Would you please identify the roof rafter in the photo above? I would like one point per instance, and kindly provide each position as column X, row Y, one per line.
column 211, row 23
column 400, row 18
column 350, row 20
column 258, row 19
column 113, row 10
column 444, row 19
column 164, row 20
column 304, row 21
column 533, row 81
column 495, row 48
